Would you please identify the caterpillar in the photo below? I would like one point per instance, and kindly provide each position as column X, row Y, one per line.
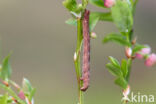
column 86, row 52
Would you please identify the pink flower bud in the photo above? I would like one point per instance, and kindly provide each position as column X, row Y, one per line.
column 21, row 95
column 127, row 91
column 109, row 3
column 128, row 52
column 138, row 55
column 146, row 50
column 93, row 35
column 151, row 60
column 143, row 52
column 75, row 56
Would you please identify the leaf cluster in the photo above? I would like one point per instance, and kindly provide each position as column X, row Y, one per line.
column 7, row 83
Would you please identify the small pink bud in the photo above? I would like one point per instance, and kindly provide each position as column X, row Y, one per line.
column 126, row 92
column 143, row 52
column 146, row 50
column 151, row 60
column 75, row 56
column 109, row 3
column 128, row 52
column 21, row 95
column 93, row 35
column 139, row 56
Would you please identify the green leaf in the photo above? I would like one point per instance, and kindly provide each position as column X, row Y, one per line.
column 112, row 69
column 32, row 93
column 98, row 16
column 116, row 38
column 114, row 62
column 134, row 6
column 93, row 20
column 121, row 82
column 71, row 21
column 137, row 48
column 99, row 3
column 28, row 90
column 3, row 99
column 124, row 68
column 6, row 69
column 122, row 15
column 102, row 16
column 105, row 16
column 71, row 5
column 27, row 86
column 84, row 3
column 132, row 2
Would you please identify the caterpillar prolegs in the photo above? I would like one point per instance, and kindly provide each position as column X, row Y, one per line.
column 86, row 52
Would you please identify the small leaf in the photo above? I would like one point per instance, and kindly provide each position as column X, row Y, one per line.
column 132, row 2
column 134, row 6
column 105, row 16
column 32, row 93
column 116, row 38
column 121, row 82
column 3, row 99
column 71, row 5
column 115, row 71
column 114, row 62
column 102, row 16
column 93, row 20
column 6, row 69
column 84, row 3
column 28, row 90
column 124, row 68
column 122, row 15
column 26, row 86
column 98, row 16
column 99, row 3
column 137, row 48
column 71, row 21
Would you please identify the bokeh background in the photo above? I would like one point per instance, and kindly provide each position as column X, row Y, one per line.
column 43, row 47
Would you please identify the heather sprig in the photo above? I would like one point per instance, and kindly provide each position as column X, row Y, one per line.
column 23, row 95
column 121, row 13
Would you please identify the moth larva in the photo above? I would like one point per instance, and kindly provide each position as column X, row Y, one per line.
column 86, row 52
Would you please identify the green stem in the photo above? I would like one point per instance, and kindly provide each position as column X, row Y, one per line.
column 129, row 69
column 12, row 93
column 129, row 62
column 129, row 38
column 77, row 61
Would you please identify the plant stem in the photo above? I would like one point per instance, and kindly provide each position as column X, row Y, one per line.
column 129, row 69
column 77, row 61
column 129, row 62
column 78, row 54
column 12, row 93
column 129, row 39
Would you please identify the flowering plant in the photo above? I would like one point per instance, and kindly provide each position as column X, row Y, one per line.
column 123, row 17
column 22, row 95
column 121, row 13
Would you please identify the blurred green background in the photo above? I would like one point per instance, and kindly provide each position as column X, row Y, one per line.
column 43, row 47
